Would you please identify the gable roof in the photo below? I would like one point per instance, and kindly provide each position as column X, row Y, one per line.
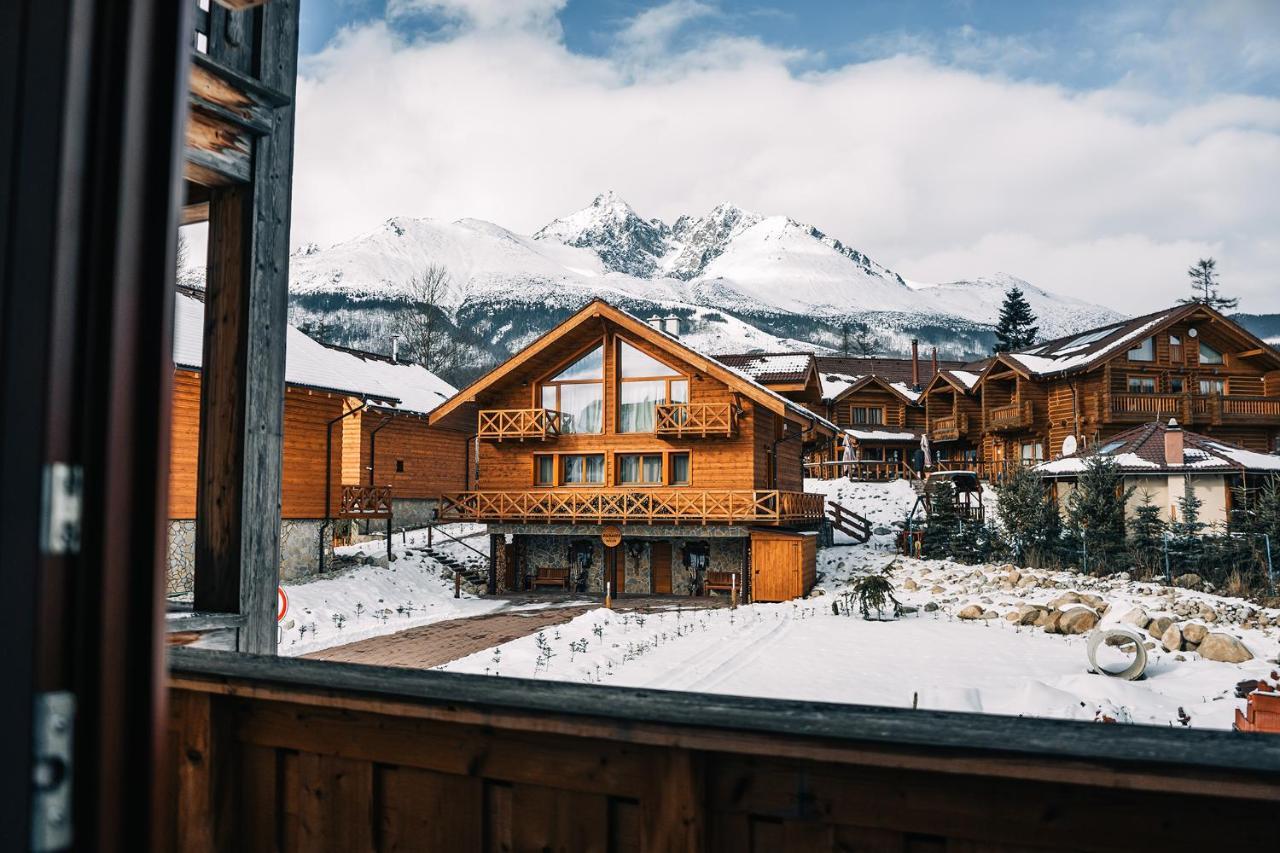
column 772, row 368
column 963, row 378
column 901, row 390
column 401, row 386
column 599, row 309
column 892, row 369
column 1141, row 450
column 1084, row 351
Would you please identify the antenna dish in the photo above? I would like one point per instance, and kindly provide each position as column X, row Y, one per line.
column 1069, row 445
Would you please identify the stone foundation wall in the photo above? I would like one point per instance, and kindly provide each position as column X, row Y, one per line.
column 725, row 555
column 299, row 542
column 412, row 512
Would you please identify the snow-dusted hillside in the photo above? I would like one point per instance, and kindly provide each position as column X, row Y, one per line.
column 739, row 281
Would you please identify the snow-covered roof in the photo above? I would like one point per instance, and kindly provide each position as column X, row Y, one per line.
column 1142, row 450
column 906, row 390
column 883, row 435
column 1084, row 350
column 772, row 367
column 967, row 378
column 401, row 386
column 835, row 384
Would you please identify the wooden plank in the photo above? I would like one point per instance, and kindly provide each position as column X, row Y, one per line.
column 260, row 807
column 336, row 804
column 674, row 816
column 421, row 810
column 554, row 820
column 498, row 818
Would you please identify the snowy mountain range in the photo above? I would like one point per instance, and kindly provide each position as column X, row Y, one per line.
column 739, row 281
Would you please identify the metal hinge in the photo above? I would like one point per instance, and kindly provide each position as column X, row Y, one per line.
column 61, row 508
column 55, row 716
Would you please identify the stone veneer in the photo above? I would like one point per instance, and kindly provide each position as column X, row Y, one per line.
column 299, row 540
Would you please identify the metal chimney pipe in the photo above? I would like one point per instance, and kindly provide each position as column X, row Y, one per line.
column 915, row 363
column 935, row 361
column 395, row 349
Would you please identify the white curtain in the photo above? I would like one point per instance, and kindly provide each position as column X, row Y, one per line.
column 639, row 405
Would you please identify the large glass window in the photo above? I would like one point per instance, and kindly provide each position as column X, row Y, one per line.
column 871, row 415
column 636, row 469
column 582, row 469
column 577, row 393
column 1213, row 386
column 1209, row 355
column 645, row 383
column 1144, row 351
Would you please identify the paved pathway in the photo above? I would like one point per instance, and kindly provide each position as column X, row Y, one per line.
column 440, row 642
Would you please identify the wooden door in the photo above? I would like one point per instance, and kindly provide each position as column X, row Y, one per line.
column 509, row 574
column 775, row 568
column 660, row 566
column 613, row 568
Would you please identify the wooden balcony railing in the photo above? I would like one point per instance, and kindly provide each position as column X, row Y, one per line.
column 500, row 424
column 1011, row 417
column 655, row 506
column 1148, row 405
column 861, row 469
column 365, row 502
column 1191, row 409
column 705, row 420
column 1257, row 409
column 949, row 428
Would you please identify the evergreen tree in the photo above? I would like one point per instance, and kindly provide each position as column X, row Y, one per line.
column 1204, row 286
column 944, row 518
column 1186, row 530
column 1028, row 516
column 1146, row 534
column 1016, row 328
column 1096, row 517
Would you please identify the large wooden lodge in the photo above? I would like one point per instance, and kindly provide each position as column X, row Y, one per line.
column 612, row 455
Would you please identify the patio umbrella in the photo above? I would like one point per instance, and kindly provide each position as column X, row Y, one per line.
column 924, row 446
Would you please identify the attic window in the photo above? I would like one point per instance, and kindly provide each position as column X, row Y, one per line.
column 577, row 393
column 1209, row 355
column 1144, row 351
column 1108, row 449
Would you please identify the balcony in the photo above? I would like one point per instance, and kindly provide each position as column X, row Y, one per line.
column 365, row 502
column 1014, row 416
column 635, row 506
column 949, row 428
column 505, row 424
column 703, row 420
column 1191, row 409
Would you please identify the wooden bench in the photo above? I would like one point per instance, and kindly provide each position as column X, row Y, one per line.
column 548, row 576
column 723, row 581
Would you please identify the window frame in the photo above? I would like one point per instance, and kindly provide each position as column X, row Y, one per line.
column 867, row 408
column 1131, row 378
column 1221, row 380
column 677, row 375
column 1202, row 346
column 668, row 468
column 1145, row 345
column 547, row 380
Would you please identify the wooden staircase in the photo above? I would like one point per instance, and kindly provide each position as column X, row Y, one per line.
column 848, row 522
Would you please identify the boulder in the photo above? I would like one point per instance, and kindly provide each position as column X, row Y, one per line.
column 990, row 614
column 1014, row 576
column 1093, row 601
column 1137, row 617
column 1028, row 614
column 972, row 611
column 1051, row 621
column 1171, row 639
column 910, row 585
column 1077, row 620
column 1194, row 632
column 1208, row 614
column 1157, row 626
column 930, row 606
column 1190, row 580
column 1008, row 569
column 1224, row 648
column 1065, row 599
column 936, row 590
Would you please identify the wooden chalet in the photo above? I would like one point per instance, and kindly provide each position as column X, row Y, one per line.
column 357, row 446
column 611, row 453
column 116, row 742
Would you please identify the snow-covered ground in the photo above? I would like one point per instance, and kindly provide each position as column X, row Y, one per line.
column 382, row 598
column 930, row 658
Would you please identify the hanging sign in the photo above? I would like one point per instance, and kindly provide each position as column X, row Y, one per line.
column 611, row 536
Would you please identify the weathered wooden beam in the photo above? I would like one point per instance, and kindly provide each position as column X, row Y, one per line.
column 1251, row 352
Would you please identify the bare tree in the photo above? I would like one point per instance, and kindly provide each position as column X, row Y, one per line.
column 862, row 342
column 424, row 324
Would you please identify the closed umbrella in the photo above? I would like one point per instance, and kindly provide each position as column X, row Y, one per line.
column 924, row 446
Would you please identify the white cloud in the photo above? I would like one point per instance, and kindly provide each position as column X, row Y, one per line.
column 485, row 14
column 934, row 171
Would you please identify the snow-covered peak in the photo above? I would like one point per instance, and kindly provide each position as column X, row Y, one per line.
column 612, row 229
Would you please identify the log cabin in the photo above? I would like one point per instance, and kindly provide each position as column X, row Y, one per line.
column 1158, row 460
column 613, row 457
column 357, row 446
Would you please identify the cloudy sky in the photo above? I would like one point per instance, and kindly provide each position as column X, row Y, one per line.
column 1096, row 148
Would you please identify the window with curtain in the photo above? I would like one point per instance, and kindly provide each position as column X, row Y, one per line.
column 582, row 469
column 1144, row 351
column 645, row 383
column 680, row 470
column 544, row 470
column 1213, row 386
column 873, row 415
column 640, row 469
column 1209, row 355
column 1142, row 385
column 577, row 393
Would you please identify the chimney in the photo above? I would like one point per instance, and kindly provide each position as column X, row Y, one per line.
column 395, row 349
column 672, row 324
column 655, row 321
column 915, row 363
column 935, row 361
column 1173, row 443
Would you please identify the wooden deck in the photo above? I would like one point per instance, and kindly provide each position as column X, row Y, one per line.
column 1193, row 409
column 1015, row 416
column 287, row 754
column 950, row 428
column 365, row 502
column 634, row 506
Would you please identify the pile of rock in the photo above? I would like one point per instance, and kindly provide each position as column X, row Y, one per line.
column 1189, row 636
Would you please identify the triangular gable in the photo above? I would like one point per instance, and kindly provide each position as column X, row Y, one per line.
column 875, row 380
column 598, row 309
column 945, row 377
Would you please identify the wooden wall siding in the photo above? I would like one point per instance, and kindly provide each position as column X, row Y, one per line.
column 895, row 415
column 717, row 463
column 783, row 565
column 376, row 759
column 434, row 459
column 306, row 415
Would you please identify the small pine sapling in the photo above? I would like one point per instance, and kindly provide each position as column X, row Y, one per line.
column 875, row 592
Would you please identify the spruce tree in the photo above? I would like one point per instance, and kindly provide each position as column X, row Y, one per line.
column 1204, row 286
column 1146, row 534
column 1096, row 517
column 944, row 519
column 1186, row 531
column 1028, row 516
column 1016, row 328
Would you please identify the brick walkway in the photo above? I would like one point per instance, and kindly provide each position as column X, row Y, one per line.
column 440, row 642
